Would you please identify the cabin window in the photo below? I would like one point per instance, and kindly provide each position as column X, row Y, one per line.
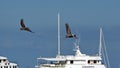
column 14, row 66
column 5, row 66
column 0, row 61
column 5, row 63
column 71, row 62
column 93, row 61
column 62, row 62
column 88, row 61
column 4, row 60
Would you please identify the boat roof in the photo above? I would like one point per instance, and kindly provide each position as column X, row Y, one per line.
column 13, row 64
column 52, row 59
column 1, row 57
column 71, row 57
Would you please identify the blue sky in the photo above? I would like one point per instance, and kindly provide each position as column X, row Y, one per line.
column 84, row 16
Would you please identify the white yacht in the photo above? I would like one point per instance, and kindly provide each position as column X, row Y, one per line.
column 78, row 60
column 4, row 63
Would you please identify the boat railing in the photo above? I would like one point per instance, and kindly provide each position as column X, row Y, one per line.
column 52, row 65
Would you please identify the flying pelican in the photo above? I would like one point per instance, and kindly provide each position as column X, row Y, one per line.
column 68, row 31
column 23, row 27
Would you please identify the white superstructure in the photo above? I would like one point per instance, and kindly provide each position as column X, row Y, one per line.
column 4, row 63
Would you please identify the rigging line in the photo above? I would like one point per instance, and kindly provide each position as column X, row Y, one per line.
column 106, row 52
column 104, row 57
column 101, row 49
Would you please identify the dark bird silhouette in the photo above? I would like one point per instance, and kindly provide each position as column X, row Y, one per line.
column 68, row 31
column 23, row 27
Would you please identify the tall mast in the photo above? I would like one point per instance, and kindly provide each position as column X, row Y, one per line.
column 58, row 34
column 100, row 45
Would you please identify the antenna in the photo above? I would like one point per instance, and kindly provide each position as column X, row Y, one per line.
column 100, row 45
column 58, row 34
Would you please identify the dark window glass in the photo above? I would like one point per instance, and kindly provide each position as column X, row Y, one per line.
column 71, row 61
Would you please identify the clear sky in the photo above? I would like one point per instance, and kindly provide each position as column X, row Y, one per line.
column 84, row 16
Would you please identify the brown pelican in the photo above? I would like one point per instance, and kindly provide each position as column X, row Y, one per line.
column 23, row 27
column 68, row 31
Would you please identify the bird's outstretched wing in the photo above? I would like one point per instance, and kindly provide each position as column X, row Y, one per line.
column 27, row 29
column 68, row 31
column 22, row 23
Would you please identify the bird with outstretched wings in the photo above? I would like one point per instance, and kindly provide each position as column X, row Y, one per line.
column 68, row 32
column 23, row 27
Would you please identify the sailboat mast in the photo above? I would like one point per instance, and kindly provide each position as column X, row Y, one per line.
column 100, row 45
column 58, row 34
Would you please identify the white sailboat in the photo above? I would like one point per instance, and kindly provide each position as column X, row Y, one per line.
column 78, row 60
